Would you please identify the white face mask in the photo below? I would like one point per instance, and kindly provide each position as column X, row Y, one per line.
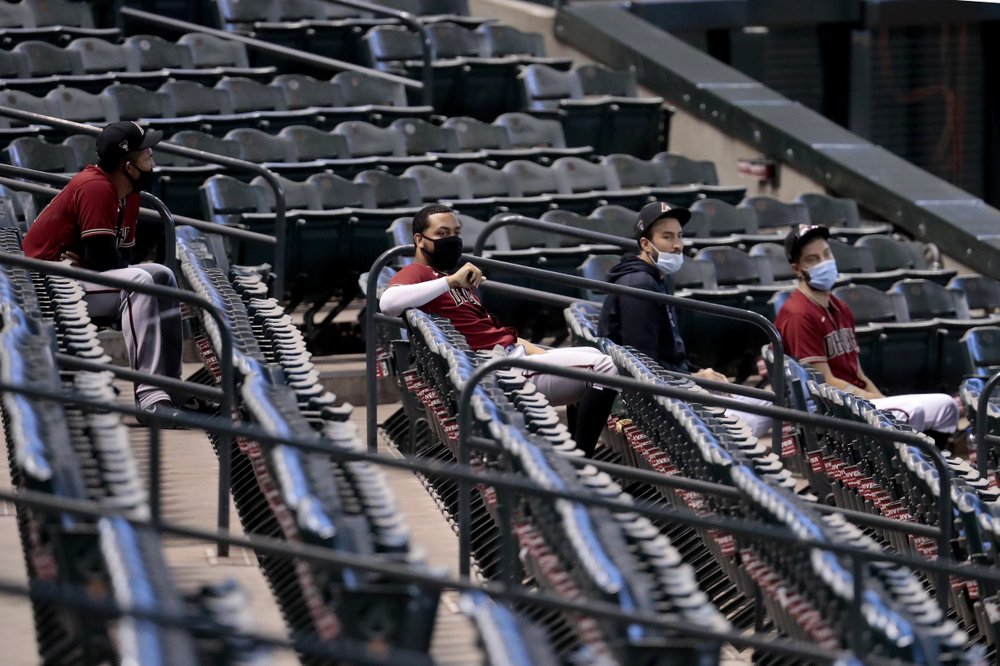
column 823, row 275
column 669, row 263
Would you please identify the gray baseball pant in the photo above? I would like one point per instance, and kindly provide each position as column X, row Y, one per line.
column 151, row 326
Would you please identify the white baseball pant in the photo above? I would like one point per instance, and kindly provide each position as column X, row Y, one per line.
column 151, row 326
column 562, row 390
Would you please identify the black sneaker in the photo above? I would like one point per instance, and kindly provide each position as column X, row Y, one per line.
column 165, row 409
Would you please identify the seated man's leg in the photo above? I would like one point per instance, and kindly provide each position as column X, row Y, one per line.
column 759, row 425
column 595, row 402
column 562, row 390
column 169, row 320
column 923, row 411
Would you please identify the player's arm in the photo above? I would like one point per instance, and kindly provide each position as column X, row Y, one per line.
column 873, row 390
column 100, row 252
column 99, row 213
column 824, row 368
column 399, row 297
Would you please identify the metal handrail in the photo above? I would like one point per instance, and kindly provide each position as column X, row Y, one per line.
column 268, row 47
column 884, row 437
column 280, row 225
column 226, row 402
column 470, row 476
column 982, row 423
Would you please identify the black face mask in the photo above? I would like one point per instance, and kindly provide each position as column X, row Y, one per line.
column 145, row 181
column 447, row 253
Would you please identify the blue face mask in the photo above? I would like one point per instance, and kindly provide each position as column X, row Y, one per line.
column 669, row 263
column 823, row 275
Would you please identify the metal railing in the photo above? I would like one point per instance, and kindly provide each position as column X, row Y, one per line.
column 498, row 222
column 983, row 438
column 226, row 401
column 280, row 224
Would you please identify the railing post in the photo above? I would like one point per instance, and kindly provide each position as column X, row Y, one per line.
column 982, row 424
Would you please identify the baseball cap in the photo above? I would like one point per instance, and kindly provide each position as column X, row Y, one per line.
column 799, row 236
column 118, row 139
column 657, row 210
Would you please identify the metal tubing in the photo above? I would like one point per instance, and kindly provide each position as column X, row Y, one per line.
column 464, row 403
column 154, row 475
column 267, row 47
column 982, row 424
column 501, row 480
column 225, row 336
column 168, row 383
column 513, row 220
column 280, row 223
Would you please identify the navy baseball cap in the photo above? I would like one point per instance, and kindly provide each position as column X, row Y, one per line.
column 799, row 236
column 658, row 210
column 118, row 139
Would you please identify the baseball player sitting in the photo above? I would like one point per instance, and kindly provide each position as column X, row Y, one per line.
column 435, row 284
column 92, row 224
column 817, row 328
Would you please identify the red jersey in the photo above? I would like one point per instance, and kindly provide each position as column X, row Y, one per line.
column 87, row 206
column 462, row 307
column 812, row 333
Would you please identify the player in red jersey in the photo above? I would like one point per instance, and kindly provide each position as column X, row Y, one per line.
column 435, row 284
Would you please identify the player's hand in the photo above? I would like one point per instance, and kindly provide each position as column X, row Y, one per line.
column 709, row 373
column 468, row 276
column 72, row 258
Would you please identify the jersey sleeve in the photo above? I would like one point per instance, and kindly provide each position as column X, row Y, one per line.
column 97, row 209
column 412, row 274
column 803, row 337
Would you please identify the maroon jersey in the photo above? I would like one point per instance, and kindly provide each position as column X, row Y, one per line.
column 87, row 206
column 812, row 333
column 462, row 307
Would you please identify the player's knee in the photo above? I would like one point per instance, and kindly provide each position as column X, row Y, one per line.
column 605, row 365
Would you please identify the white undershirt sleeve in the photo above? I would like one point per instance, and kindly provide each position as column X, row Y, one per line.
column 398, row 297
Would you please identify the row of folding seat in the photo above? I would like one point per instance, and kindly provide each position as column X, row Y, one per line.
column 687, row 439
column 84, row 454
column 639, row 569
column 57, row 21
column 343, row 506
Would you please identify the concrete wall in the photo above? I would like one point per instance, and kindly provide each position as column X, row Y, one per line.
column 688, row 135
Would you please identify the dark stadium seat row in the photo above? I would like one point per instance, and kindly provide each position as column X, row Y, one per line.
column 692, row 440
column 337, row 505
column 56, row 21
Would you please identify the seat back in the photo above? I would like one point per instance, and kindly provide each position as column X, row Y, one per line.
column 301, row 91
column 779, row 299
column 568, row 218
column 298, row 196
column 772, row 212
column 129, row 102
column 84, row 147
column 190, row 98
column 683, row 170
column 62, row 12
column 981, row 292
column 333, row 191
column 433, row 184
column 527, row 131
column 735, row 267
column 982, row 347
column 891, row 254
column 365, row 139
column 529, row 178
column 99, row 55
column 249, row 95
column 545, row 86
column 149, row 52
column 483, row 181
column 421, row 137
column 390, row 191
column 80, row 105
column 360, row 89
column 621, row 219
column 390, row 47
column 597, row 267
column 39, row 154
column 13, row 65
column 259, row 146
column 926, row 300
column 503, row 40
column 871, row 305
column 625, row 171
column 206, row 142
column 718, row 218
column 211, row 51
column 575, row 174
column 24, row 101
column 225, row 199
column 775, row 254
column 695, row 275
column 852, row 258
column 45, row 59
column 598, row 80
column 474, row 134
column 450, row 40
column 304, row 143
column 16, row 15
column 831, row 211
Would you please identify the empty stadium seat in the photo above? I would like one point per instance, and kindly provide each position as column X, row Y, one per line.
column 528, row 179
column 681, row 169
column 39, row 154
column 892, row 254
column 625, row 172
column 525, row 131
column 397, row 50
column 596, row 267
column 773, row 213
column 385, row 100
column 775, row 253
column 576, row 175
column 487, row 84
column 570, row 219
column 488, row 183
column 367, row 140
column 422, row 138
column 982, row 351
column 621, row 219
column 437, row 185
column 101, row 56
column 499, row 39
column 712, row 218
column 981, row 293
column 337, row 192
column 226, row 57
column 841, row 215
column 391, row 191
column 305, row 143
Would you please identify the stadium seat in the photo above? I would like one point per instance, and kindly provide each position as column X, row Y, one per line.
column 84, row 147
column 180, row 177
column 499, row 39
column 305, row 143
column 775, row 253
column 384, row 100
column 892, row 254
column 225, row 199
column 225, row 56
column 886, row 333
column 734, row 267
column 101, row 56
column 391, row 191
column 576, row 221
column 423, row 138
column 298, row 196
column 576, row 175
column 625, row 172
column 62, row 12
column 49, row 66
column 493, row 140
column 772, row 213
column 437, row 185
column 841, row 215
column 80, row 105
column 127, row 101
column 596, row 267
column 267, row 102
column 39, row 154
column 682, row 170
column 487, row 84
column 525, row 131
column 621, row 219
column 397, row 50
column 530, row 179
column 337, row 192
column 982, row 351
column 367, row 140
column 488, row 183
column 981, row 293
column 712, row 218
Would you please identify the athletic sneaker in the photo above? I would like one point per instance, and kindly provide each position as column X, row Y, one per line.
column 166, row 410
